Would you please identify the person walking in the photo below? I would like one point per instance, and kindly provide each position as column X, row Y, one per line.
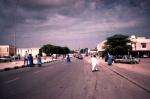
column 110, row 60
column 39, row 60
column 94, row 62
column 68, row 59
column 26, row 58
column 30, row 58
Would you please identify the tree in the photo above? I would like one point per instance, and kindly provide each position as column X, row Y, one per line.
column 118, row 45
column 52, row 49
column 47, row 49
column 83, row 50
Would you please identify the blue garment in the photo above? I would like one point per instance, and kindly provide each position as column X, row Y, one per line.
column 110, row 60
column 30, row 58
column 68, row 59
column 39, row 60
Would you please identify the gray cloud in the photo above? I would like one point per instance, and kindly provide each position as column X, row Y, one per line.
column 56, row 21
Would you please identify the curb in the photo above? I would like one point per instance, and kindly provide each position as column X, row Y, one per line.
column 129, row 79
column 23, row 66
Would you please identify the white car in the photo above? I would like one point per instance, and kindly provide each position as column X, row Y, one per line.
column 130, row 60
column 6, row 59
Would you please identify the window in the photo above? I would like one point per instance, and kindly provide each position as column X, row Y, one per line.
column 7, row 49
column 143, row 45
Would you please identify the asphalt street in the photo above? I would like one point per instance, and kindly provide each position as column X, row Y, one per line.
column 61, row 80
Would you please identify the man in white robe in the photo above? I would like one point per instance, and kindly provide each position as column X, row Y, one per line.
column 94, row 63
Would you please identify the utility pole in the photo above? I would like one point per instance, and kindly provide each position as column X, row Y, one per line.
column 15, row 19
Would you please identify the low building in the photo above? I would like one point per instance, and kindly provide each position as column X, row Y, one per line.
column 92, row 51
column 7, row 50
column 33, row 51
column 140, row 46
column 100, row 46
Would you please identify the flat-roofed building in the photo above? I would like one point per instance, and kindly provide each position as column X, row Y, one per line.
column 140, row 46
column 100, row 46
column 33, row 51
column 7, row 50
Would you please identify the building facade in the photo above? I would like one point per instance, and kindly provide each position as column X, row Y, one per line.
column 7, row 50
column 140, row 46
column 100, row 46
column 33, row 51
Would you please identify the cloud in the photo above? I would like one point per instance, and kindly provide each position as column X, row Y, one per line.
column 72, row 19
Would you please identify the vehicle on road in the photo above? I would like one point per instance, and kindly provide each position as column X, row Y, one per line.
column 6, row 59
column 125, row 59
column 79, row 56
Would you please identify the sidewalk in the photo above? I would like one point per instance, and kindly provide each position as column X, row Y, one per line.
column 141, row 68
column 21, row 63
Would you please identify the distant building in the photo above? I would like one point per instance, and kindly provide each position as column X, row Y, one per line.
column 140, row 46
column 100, row 46
column 33, row 51
column 7, row 50
column 92, row 51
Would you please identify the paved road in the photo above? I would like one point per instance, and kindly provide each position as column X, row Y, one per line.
column 136, row 73
column 67, row 81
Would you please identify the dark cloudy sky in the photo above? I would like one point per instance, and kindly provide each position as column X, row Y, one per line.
column 72, row 23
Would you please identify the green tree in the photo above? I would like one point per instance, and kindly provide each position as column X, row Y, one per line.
column 118, row 45
column 83, row 50
column 47, row 49
column 66, row 50
column 52, row 49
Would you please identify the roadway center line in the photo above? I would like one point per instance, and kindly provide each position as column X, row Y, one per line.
column 37, row 71
column 12, row 80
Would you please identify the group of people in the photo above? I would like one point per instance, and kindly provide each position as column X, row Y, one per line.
column 28, row 59
column 94, row 61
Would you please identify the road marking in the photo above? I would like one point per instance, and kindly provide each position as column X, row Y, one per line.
column 10, row 81
column 37, row 71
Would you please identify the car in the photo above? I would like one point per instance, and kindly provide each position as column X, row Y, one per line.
column 79, row 56
column 131, row 60
column 145, row 56
column 16, row 57
column 6, row 59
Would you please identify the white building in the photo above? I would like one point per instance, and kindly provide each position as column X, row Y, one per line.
column 140, row 46
column 7, row 50
column 100, row 46
column 92, row 51
column 33, row 51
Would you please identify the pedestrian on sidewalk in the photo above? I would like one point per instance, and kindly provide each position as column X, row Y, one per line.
column 39, row 60
column 30, row 58
column 26, row 58
column 94, row 62
column 106, row 57
column 68, row 59
column 110, row 59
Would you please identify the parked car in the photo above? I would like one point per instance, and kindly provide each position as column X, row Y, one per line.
column 16, row 57
column 6, row 59
column 124, row 59
column 145, row 56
